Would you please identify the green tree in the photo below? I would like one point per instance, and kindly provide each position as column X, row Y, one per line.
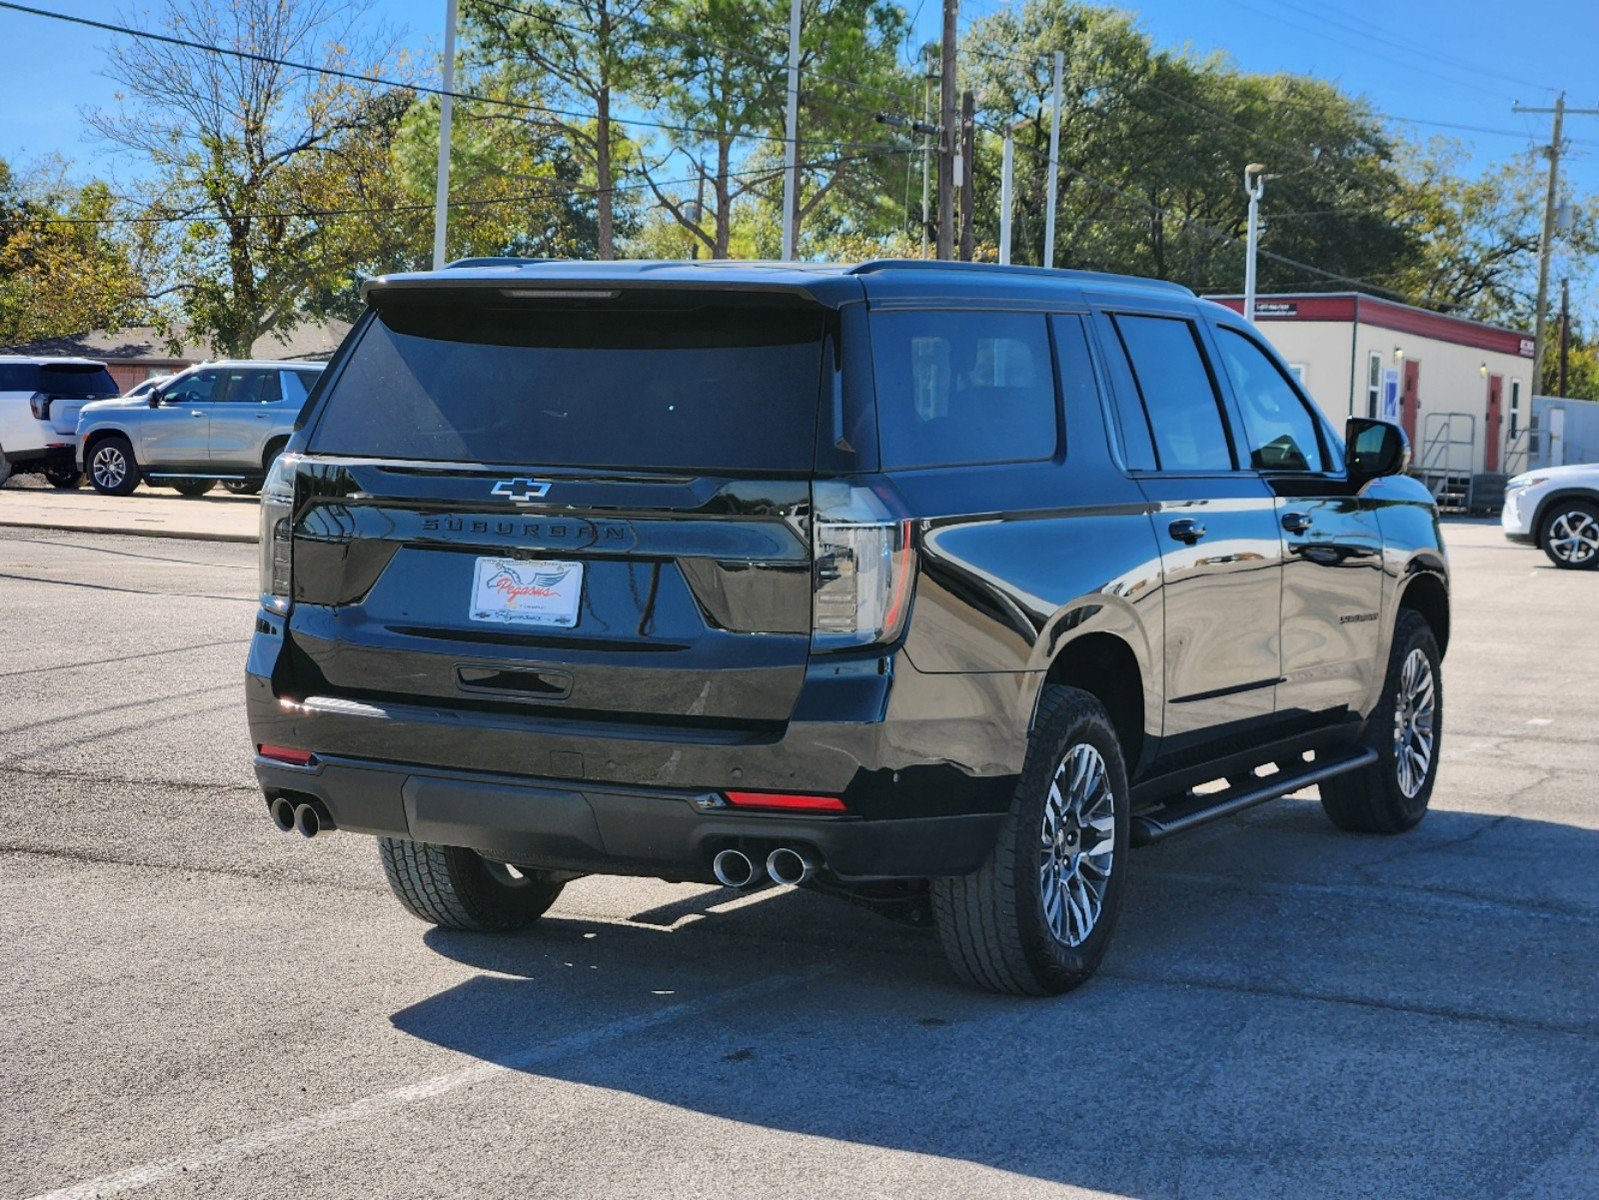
column 66, row 265
column 587, row 54
column 279, row 179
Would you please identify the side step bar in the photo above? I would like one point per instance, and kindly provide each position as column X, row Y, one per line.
column 1189, row 811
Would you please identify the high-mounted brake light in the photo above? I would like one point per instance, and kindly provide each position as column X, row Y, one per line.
column 785, row 800
column 864, row 565
column 277, row 540
column 285, row 754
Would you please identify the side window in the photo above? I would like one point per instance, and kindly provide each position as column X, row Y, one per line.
column 1279, row 428
column 1181, row 407
column 296, row 386
column 243, row 387
column 963, row 388
column 198, row 388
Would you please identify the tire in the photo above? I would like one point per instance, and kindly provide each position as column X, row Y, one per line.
column 112, row 469
column 194, row 487
column 1569, row 534
column 460, row 889
column 66, row 477
column 999, row 927
column 1380, row 798
column 242, row 487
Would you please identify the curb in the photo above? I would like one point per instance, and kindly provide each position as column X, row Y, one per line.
column 121, row 531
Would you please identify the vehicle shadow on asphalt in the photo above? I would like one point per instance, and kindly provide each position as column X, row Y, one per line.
column 1286, row 1012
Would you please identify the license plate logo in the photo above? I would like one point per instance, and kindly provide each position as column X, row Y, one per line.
column 514, row 591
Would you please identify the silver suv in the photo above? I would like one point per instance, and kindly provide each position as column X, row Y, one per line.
column 217, row 422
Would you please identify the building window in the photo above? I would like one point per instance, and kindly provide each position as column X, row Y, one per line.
column 1515, row 406
column 1373, row 384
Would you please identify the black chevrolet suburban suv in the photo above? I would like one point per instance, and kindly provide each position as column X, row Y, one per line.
column 933, row 586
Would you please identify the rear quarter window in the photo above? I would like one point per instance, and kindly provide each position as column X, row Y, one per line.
column 963, row 388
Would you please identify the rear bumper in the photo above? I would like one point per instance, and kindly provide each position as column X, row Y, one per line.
column 62, row 454
column 926, row 766
column 601, row 829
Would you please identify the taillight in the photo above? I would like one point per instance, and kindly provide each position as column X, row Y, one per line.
column 277, row 542
column 863, row 566
column 39, row 402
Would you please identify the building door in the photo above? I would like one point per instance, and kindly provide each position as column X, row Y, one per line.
column 1410, row 399
column 1490, row 456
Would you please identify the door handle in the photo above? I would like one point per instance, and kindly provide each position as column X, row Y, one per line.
column 1186, row 530
column 1296, row 522
column 196, row 413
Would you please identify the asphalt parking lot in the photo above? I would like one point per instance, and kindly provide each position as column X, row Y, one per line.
column 199, row 1005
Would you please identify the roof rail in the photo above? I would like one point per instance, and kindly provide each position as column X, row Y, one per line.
column 503, row 260
column 1056, row 273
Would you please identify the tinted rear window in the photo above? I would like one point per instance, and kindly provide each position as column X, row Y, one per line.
column 963, row 388
column 73, row 381
column 703, row 389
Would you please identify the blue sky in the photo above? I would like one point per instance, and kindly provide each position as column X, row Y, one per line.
column 1463, row 62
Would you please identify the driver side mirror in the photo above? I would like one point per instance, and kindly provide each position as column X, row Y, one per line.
column 153, row 397
column 1374, row 449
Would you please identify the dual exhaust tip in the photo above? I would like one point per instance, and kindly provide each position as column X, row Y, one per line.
column 787, row 866
column 305, row 818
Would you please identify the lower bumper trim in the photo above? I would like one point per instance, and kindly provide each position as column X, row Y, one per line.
column 602, row 829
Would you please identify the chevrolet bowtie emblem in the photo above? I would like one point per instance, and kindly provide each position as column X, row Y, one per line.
column 521, row 489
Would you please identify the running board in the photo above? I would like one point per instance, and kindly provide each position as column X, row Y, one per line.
column 1197, row 810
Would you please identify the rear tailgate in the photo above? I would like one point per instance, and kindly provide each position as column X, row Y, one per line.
column 647, row 598
column 585, row 511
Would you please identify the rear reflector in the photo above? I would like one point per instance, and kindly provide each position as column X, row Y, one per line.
column 789, row 800
column 286, row 754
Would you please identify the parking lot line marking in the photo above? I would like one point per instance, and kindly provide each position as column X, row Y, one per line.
column 245, row 1145
column 1541, row 721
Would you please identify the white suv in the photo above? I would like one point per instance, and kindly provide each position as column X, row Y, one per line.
column 39, row 403
column 1557, row 510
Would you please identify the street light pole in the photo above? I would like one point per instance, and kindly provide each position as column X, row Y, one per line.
column 1007, row 168
column 1255, row 186
column 791, row 130
column 441, row 191
column 1054, row 165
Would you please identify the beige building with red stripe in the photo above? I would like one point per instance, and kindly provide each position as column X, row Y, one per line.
column 1462, row 389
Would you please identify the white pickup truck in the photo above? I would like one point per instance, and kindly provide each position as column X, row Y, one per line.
column 39, row 403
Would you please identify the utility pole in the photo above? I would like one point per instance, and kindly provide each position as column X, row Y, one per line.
column 968, row 160
column 948, row 134
column 927, row 150
column 1054, row 165
column 791, row 131
column 1565, row 331
column 1007, row 169
column 1547, row 238
column 1255, row 186
column 441, row 188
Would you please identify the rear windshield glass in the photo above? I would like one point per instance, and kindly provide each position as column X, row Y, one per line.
column 74, row 381
column 703, row 389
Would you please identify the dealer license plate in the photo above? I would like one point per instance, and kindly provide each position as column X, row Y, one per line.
column 518, row 591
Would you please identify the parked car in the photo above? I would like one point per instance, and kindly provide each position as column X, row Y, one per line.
column 933, row 586
column 1557, row 510
column 222, row 421
column 39, row 403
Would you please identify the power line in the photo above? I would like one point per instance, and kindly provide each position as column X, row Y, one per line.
column 542, row 194
column 422, row 89
column 1208, row 230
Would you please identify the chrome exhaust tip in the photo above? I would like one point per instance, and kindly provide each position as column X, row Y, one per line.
column 309, row 821
column 734, row 869
column 789, row 867
column 282, row 811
